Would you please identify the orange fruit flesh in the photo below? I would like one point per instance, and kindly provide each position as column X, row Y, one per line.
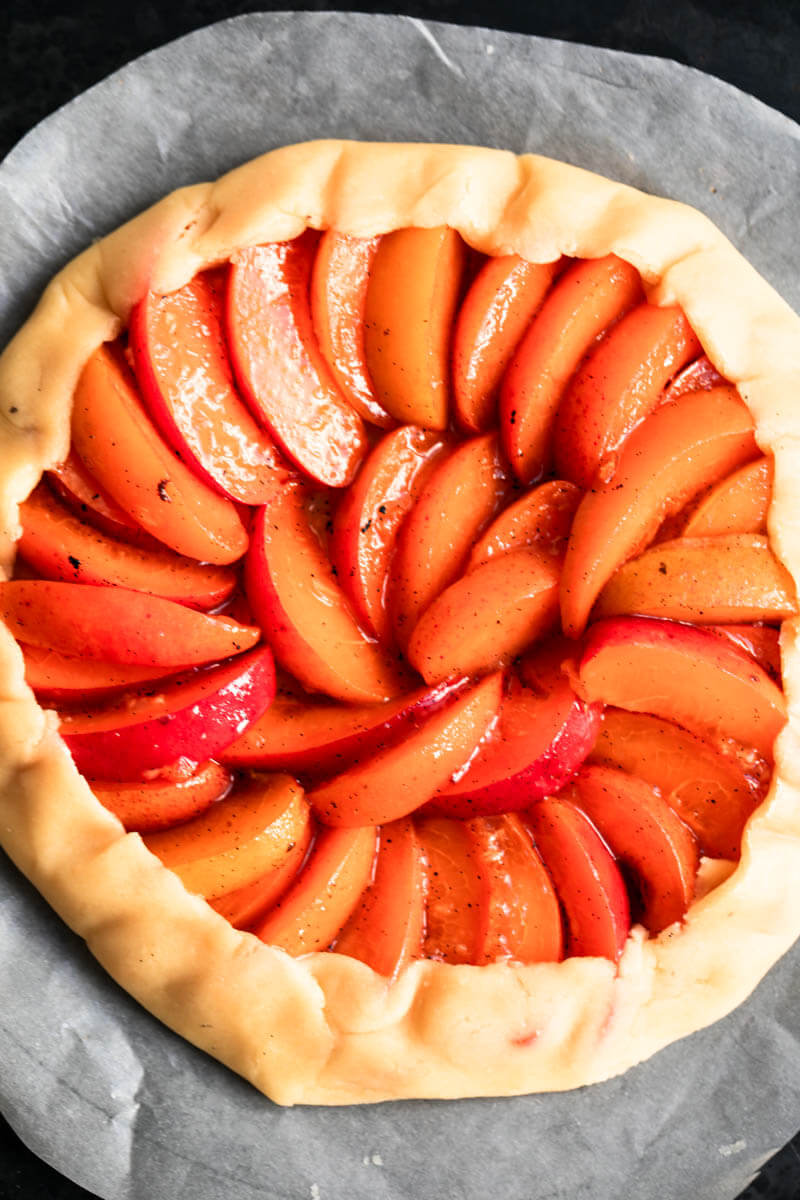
column 433, row 554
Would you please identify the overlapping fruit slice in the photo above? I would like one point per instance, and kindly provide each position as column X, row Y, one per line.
column 338, row 454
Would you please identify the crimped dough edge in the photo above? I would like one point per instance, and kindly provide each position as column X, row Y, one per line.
column 325, row 1029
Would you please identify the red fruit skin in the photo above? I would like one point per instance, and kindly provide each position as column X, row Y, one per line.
column 195, row 733
column 305, row 615
column 187, row 384
column 696, row 679
column 505, row 787
column 586, row 876
column 278, row 366
column 319, row 758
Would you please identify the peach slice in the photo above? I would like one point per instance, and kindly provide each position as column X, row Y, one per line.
column 241, row 838
column 116, row 625
column 705, row 580
column 316, row 906
column 386, row 928
column 278, row 364
column 61, row 546
column 712, row 793
column 487, row 617
column 149, row 805
column 683, row 674
column 762, row 641
column 699, row 376
column 369, row 517
column 458, row 891
column 339, row 281
column 616, row 387
column 412, row 298
column 303, row 611
column 673, row 455
column 193, row 718
column 457, row 502
column 497, row 309
column 591, row 296
column 542, row 517
column 397, row 780
column 73, row 484
column 739, row 504
column 182, row 365
column 521, row 918
column 312, row 738
column 648, row 836
column 586, row 877
column 248, row 904
column 69, row 677
column 122, row 449
column 538, row 743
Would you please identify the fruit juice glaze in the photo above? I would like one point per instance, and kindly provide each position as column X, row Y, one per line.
column 408, row 469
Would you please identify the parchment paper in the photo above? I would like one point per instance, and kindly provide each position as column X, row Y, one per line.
column 91, row 1082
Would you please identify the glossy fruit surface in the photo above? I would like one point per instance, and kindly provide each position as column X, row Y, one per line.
column 183, row 368
column 193, row 719
column 512, row 709
column 278, row 365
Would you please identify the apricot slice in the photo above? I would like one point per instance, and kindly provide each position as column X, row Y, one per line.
column 244, row 906
column 588, row 298
column 586, row 877
column 298, row 602
column 278, row 365
column 673, row 455
column 193, row 718
column 397, row 780
column 487, row 617
column 386, row 928
column 497, row 309
column 241, row 838
column 61, row 546
column 706, row 580
column 686, row 675
column 710, row 792
column 699, row 376
column 313, row 910
column 458, row 891
column 539, row 741
column 149, row 805
column 521, row 918
column 339, row 281
column 70, row 677
column 369, row 517
column 412, row 298
column 118, row 625
column 647, row 835
column 182, row 365
column 542, row 517
column 739, row 504
column 123, row 450
column 73, row 484
column 616, row 387
column 457, row 502
column 309, row 737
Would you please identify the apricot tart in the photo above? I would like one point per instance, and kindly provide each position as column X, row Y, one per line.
column 400, row 614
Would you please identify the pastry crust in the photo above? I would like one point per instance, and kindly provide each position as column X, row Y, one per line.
column 325, row 1029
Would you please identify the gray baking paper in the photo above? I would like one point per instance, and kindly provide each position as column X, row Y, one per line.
column 89, row 1080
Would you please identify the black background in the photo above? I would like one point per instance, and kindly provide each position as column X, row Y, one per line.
column 54, row 50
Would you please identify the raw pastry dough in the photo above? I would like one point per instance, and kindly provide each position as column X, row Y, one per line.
column 325, row 1029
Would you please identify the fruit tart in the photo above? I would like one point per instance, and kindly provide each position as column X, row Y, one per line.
column 399, row 619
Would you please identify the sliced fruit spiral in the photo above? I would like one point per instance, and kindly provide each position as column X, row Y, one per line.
column 337, row 455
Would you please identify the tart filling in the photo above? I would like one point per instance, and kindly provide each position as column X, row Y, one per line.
column 494, row 402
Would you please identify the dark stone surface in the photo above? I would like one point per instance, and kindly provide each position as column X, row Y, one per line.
column 55, row 49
